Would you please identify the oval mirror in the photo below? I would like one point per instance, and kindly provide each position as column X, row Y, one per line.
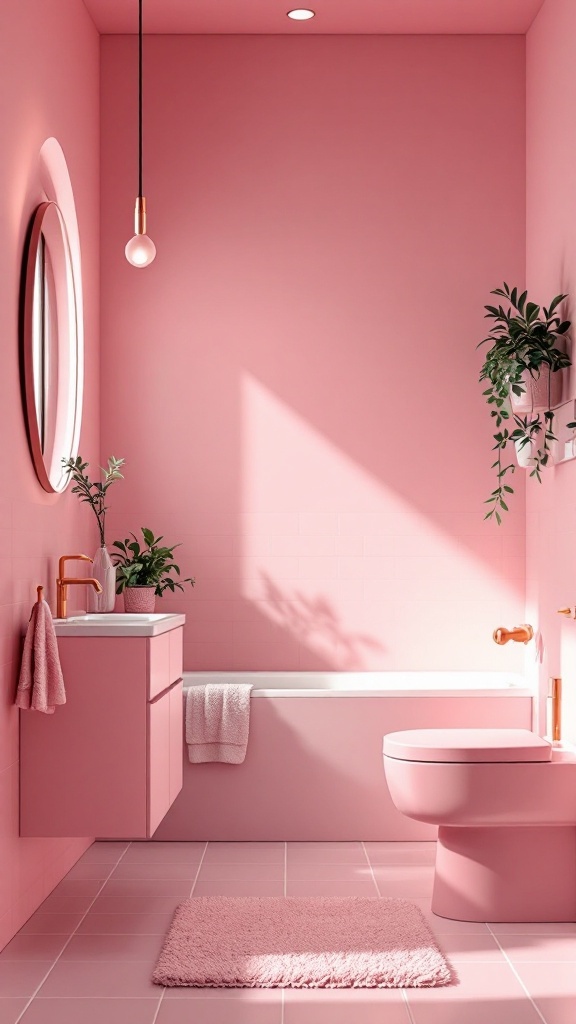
column 51, row 347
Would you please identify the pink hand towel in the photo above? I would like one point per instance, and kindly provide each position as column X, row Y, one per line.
column 41, row 686
column 217, row 722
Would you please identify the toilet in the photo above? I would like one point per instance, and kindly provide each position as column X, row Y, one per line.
column 504, row 801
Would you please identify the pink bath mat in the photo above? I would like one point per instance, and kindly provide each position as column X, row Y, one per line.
column 315, row 942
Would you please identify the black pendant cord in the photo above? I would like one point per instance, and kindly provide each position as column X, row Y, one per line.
column 140, row 98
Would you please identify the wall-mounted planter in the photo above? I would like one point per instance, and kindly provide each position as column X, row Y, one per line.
column 541, row 392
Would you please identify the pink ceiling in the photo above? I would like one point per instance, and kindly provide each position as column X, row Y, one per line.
column 332, row 16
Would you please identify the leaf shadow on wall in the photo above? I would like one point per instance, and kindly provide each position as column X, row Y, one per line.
column 314, row 623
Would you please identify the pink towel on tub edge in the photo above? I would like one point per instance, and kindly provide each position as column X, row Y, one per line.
column 217, row 722
column 41, row 685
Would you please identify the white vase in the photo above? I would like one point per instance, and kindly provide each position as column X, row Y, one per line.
column 103, row 571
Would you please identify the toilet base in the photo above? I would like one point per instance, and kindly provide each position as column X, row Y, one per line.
column 506, row 874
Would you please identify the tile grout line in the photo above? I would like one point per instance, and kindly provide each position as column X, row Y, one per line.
column 155, row 1017
column 371, row 869
column 407, row 1005
column 72, row 933
column 515, row 973
column 204, row 851
column 282, row 1003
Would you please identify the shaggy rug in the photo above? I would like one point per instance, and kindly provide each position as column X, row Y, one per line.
column 299, row 942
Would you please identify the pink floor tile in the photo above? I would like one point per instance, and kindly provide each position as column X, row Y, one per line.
column 540, row 948
column 144, row 888
column 103, row 853
column 100, row 978
column 379, row 1006
column 310, row 871
column 404, row 882
column 250, row 996
column 221, row 1010
column 82, row 871
column 40, row 924
column 78, row 887
column 134, row 904
column 10, row 1010
column 22, row 977
column 34, row 947
column 444, row 925
column 401, row 853
column 553, row 989
column 326, row 853
column 152, row 870
column 244, row 853
column 114, row 947
column 465, row 948
column 537, row 928
column 487, row 993
column 65, row 904
column 335, row 888
column 238, row 888
column 158, row 853
column 152, row 923
column 90, row 1011
column 244, row 872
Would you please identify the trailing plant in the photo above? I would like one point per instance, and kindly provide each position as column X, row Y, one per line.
column 523, row 340
column 146, row 566
column 94, row 493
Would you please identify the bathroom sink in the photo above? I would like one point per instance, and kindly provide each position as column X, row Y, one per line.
column 118, row 624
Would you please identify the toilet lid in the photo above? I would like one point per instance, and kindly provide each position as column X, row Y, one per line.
column 474, row 745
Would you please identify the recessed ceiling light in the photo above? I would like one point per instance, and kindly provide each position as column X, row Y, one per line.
column 301, row 14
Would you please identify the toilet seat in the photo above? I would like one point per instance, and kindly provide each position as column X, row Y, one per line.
column 467, row 746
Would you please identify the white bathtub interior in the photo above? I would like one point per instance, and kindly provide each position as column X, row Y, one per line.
column 370, row 684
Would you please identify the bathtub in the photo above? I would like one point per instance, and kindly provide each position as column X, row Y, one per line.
column 313, row 770
column 368, row 684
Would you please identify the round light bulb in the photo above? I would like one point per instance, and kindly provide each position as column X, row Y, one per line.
column 140, row 251
column 301, row 14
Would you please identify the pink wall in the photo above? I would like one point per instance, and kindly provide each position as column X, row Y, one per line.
column 293, row 382
column 551, row 267
column 49, row 76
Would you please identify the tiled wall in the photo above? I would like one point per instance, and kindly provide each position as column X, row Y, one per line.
column 49, row 74
column 551, row 268
column 293, row 382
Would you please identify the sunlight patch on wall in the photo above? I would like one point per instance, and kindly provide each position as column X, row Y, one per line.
column 350, row 571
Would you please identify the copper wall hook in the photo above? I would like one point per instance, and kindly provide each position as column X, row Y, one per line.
column 520, row 634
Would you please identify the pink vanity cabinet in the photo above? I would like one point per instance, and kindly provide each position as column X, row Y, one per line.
column 108, row 763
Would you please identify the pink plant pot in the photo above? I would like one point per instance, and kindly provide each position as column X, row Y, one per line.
column 139, row 599
column 539, row 392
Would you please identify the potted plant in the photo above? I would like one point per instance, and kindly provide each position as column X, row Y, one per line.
column 521, row 366
column 94, row 493
column 144, row 572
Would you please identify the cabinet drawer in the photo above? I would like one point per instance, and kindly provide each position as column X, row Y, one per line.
column 164, row 753
column 164, row 661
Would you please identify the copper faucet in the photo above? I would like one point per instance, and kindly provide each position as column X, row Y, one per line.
column 521, row 634
column 63, row 582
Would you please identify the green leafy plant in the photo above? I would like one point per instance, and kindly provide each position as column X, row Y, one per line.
column 149, row 565
column 94, row 493
column 523, row 340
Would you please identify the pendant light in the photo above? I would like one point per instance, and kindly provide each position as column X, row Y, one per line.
column 140, row 250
